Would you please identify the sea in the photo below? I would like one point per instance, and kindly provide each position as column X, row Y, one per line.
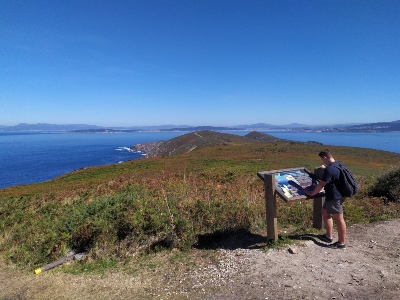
column 28, row 157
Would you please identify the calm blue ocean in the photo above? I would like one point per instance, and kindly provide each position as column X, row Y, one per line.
column 27, row 158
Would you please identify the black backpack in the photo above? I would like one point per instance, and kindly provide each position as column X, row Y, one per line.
column 347, row 186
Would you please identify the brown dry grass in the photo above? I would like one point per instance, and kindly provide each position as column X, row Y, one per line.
column 168, row 202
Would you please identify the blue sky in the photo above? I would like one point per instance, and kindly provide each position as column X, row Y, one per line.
column 208, row 62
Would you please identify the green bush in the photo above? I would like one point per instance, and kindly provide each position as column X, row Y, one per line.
column 387, row 186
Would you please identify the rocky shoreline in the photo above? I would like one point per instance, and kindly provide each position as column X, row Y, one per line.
column 148, row 149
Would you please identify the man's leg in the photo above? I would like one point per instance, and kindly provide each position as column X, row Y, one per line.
column 341, row 228
column 328, row 222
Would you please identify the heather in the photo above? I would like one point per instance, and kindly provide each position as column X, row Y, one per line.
column 169, row 202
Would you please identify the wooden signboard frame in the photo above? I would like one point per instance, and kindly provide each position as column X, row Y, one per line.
column 290, row 184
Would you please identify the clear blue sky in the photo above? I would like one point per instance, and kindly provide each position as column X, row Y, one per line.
column 206, row 62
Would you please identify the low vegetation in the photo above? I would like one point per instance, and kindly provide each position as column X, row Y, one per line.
column 171, row 201
column 387, row 186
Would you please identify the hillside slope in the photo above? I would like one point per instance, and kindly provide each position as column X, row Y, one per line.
column 118, row 211
column 194, row 140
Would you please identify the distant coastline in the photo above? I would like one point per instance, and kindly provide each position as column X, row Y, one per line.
column 82, row 128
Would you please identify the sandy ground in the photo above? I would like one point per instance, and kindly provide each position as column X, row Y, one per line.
column 238, row 268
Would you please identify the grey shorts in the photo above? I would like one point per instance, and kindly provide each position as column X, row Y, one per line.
column 334, row 206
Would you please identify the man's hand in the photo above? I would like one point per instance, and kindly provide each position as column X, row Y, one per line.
column 308, row 190
column 316, row 190
column 308, row 193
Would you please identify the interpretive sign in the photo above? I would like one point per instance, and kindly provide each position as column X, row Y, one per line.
column 291, row 184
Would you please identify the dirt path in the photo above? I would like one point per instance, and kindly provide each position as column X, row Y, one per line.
column 239, row 269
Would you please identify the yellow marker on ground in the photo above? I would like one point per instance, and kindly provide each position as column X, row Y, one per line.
column 70, row 256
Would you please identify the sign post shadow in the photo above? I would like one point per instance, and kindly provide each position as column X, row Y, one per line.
column 290, row 185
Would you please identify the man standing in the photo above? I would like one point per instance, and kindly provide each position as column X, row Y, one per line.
column 332, row 207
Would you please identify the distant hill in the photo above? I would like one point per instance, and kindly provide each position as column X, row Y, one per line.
column 189, row 142
column 197, row 128
column 84, row 128
column 150, row 128
column 375, row 127
column 263, row 126
column 255, row 135
column 194, row 140
column 48, row 127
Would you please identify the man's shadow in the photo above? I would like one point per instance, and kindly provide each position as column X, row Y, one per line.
column 315, row 238
column 230, row 240
column 242, row 238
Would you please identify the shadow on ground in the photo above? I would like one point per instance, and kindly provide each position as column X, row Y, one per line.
column 231, row 240
column 244, row 239
column 315, row 238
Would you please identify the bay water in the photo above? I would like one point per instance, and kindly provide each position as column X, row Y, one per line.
column 27, row 158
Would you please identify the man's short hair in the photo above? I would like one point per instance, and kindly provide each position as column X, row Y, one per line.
column 326, row 153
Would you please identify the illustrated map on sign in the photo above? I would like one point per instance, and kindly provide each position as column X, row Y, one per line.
column 293, row 183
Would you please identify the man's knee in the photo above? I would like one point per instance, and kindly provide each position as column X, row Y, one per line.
column 325, row 214
column 338, row 217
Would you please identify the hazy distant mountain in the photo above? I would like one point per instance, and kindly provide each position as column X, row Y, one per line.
column 265, row 126
column 83, row 127
column 375, row 127
column 257, row 125
column 159, row 127
column 197, row 128
column 351, row 127
column 48, row 127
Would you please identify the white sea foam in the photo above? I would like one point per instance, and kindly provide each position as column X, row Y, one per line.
column 125, row 149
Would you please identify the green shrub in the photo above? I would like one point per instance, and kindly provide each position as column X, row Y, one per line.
column 387, row 186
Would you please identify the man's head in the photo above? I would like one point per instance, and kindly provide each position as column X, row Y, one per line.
column 326, row 156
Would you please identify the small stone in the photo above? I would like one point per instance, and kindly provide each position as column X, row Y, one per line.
column 293, row 250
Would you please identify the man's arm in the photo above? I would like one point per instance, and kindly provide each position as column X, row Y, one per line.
column 317, row 189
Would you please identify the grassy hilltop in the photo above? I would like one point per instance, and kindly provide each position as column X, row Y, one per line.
column 201, row 184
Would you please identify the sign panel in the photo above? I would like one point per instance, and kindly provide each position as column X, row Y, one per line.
column 291, row 184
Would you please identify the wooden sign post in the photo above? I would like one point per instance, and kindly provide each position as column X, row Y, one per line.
column 290, row 185
column 317, row 205
column 270, row 204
